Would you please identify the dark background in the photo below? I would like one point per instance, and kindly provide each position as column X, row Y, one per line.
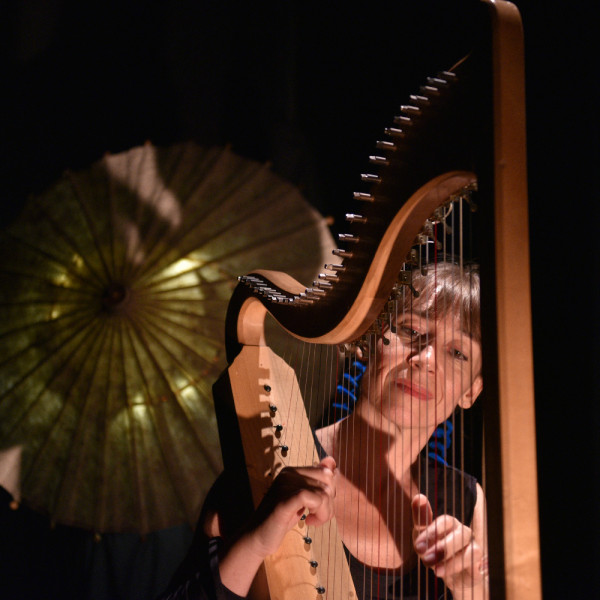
column 309, row 86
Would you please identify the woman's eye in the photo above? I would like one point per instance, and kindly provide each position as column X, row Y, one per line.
column 408, row 332
column 456, row 353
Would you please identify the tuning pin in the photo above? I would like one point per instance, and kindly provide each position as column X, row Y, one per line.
column 328, row 277
column 378, row 160
column 342, row 253
column 409, row 109
column 332, row 267
column 429, row 89
column 314, row 292
column 403, row 120
column 448, row 76
column 418, row 99
column 322, row 283
column 395, row 132
column 437, row 81
column 404, row 278
column 364, row 197
column 385, row 145
column 370, row 178
column 348, row 237
column 354, row 218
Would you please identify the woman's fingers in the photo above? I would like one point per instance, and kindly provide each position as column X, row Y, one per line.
column 316, row 504
column 452, row 550
column 464, row 562
column 293, row 480
column 295, row 492
column 318, row 492
column 447, row 546
column 444, row 544
column 422, row 514
column 438, row 540
column 445, row 528
column 328, row 462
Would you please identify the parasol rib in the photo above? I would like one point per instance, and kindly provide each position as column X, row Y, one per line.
column 67, row 497
column 52, row 259
column 172, row 386
column 89, row 221
column 133, row 331
column 41, row 452
column 22, row 329
column 44, row 360
column 159, row 315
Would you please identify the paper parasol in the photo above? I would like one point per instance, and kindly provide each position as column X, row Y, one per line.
column 114, row 286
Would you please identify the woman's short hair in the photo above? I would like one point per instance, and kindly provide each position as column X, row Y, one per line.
column 447, row 288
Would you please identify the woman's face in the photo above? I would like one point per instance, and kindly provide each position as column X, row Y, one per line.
column 424, row 369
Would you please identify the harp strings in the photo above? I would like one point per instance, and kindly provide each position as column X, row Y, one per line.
column 332, row 379
column 401, row 308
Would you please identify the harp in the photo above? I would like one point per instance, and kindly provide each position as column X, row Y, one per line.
column 464, row 129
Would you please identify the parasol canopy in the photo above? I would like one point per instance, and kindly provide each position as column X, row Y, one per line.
column 114, row 286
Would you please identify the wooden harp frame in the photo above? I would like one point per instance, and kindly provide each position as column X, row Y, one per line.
column 479, row 107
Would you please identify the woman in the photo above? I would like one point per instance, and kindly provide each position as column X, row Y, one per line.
column 397, row 511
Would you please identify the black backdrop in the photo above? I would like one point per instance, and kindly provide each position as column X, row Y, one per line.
column 309, row 86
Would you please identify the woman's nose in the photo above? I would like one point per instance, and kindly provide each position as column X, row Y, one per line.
column 423, row 356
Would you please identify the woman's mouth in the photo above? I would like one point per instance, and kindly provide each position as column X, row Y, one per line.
column 406, row 386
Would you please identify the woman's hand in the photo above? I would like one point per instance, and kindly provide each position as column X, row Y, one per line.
column 450, row 549
column 295, row 492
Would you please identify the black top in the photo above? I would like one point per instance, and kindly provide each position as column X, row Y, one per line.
column 450, row 491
